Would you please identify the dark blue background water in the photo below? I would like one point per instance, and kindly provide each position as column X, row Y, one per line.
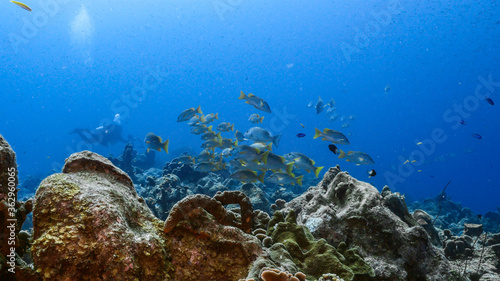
column 79, row 63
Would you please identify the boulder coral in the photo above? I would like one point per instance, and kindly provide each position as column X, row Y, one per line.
column 204, row 244
column 315, row 257
column 90, row 224
column 394, row 246
column 12, row 216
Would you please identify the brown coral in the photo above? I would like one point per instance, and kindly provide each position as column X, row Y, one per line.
column 90, row 224
column 185, row 208
column 271, row 274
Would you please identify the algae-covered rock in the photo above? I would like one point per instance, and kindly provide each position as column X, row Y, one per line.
column 203, row 246
column 315, row 257
column 358, row 214
column 90, row 224
column 12, row 216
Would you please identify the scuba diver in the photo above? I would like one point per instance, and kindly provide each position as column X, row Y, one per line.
column 104, row 135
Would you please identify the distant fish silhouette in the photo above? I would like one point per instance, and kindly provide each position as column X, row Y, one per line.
column 319, row 106
column 488, row 100
column 333, row 149
column 371, row 173
column 301, row 135
column 477, row 136
column 462, row 122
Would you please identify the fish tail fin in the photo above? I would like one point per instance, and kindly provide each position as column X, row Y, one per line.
column 242, row 96
column 261, row 177
column 217, row 116
column 209, row 128
column 232, row 128
column 269, row 146
column 165, row 146
column 147, row 151
column 199, row 109
column 203, row 119
column 276, row 140
column 235, row 143
column 341, row 154
column 261, row 119
column 317, row 170
column 289, row 168
column 219, row 137
column 264, row 157
column 299, row 180
column 317, row 133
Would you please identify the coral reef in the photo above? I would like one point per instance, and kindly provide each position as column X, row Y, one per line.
column 424, row 220
column 453, row 216
column 133, row 163
column 90, row 216
column 358, row 215
column 271, row 274
column 203, row 244
column 89, row 223
column 315, row 258
column 162, row 197
column 13, row 243
column 184, row 171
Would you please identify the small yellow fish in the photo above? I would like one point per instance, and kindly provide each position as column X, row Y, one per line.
column 302, row 125
column 419, row 171
column 419, row 143
column 407, row 161
column 413, row 161
column 24, row 6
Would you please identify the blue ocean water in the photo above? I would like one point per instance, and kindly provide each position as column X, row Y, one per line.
column 405, row 71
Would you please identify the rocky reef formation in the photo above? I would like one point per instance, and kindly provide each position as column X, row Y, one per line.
column 207, row 242
column 90, row 224
column 133, row 163
column 343, row 209
column 13, row 242
column 451, row 215
column 292, row 247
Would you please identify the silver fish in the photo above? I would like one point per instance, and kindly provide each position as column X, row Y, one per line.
column 262, row 135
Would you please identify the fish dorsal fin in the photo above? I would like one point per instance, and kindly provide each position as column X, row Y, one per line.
column 148, row 142
column 251, row 95
column 312, row 162
column 159, row 139
column 350, row 152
